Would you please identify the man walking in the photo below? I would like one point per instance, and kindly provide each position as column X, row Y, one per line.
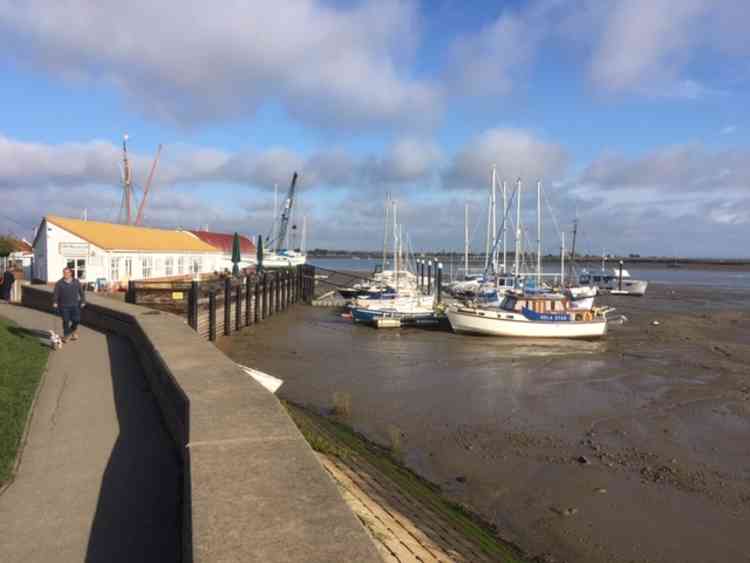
column 69, row 300
column 6, row 284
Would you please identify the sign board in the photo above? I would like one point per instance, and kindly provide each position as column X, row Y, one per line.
column 177, row 295
column 74, row 249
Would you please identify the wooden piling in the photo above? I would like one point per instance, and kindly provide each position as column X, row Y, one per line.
column 256, row 301
column 248, row 300
column 212, row 315
column 238, row 307
column 193, row 305
column 227, row 306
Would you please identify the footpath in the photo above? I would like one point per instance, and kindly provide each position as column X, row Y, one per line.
column 99, row 478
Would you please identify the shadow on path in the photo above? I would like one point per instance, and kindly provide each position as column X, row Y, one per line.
column 138, row 513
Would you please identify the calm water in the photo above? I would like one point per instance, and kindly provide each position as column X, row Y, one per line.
column 717, row 278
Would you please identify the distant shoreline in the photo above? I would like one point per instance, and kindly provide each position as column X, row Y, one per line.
column 733, row 263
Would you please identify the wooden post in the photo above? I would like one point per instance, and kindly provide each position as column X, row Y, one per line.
column 238, row 307
column 227, row 306
column 287, row 280
column 130, row 295
column 193, row 305
column 277, row 292
column 212, row 315
column 256, row 301
column 268, row 309
column 248, row 301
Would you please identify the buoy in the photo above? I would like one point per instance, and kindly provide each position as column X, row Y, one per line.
column 655, row 323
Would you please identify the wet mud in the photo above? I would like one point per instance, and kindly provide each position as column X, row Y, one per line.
column 635, row 448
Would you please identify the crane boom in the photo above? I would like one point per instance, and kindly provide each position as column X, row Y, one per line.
column 139, row 217
column 285, row 214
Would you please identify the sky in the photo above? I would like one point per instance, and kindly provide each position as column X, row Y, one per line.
column 632, row 113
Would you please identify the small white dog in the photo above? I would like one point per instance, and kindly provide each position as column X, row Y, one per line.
column 55, row 342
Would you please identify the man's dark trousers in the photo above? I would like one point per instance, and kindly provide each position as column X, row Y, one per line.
column 71, row 317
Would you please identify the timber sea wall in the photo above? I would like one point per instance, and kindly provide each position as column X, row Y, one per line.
column 253, row 489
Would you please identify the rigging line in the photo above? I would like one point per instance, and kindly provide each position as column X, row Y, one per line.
column 552, row 214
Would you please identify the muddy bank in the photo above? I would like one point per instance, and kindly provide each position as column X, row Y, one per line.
column 635, row 448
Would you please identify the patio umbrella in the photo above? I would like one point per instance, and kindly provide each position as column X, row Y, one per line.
column 259, row 267
column 236, row 258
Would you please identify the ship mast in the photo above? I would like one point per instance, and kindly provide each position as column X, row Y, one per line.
column 127, row 183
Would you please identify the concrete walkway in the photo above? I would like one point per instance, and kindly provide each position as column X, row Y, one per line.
column 99, row 478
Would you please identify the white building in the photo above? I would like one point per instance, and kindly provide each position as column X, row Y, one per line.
column 110, row 253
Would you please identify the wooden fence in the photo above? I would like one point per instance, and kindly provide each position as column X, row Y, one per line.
column 223, row 306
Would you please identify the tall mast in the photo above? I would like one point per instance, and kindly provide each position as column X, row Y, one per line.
column 385, row 229
column 126, row 179
column 494, row 218
column 505, row 227
column 562, row 261
column 147, row 188
column 466, row 240
column 489, row 229
column 573, row 249
column 518, row 228
column 539, row 233
column 395, row 242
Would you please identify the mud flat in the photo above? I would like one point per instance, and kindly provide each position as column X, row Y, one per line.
column 632, row 449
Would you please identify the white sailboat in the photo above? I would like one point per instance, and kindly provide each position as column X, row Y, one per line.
column 531, row 316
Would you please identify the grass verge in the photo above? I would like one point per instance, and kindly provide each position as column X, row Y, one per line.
column 333, row 438
column 22, row 362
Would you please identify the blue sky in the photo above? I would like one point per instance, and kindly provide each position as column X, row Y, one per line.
column 632, row 113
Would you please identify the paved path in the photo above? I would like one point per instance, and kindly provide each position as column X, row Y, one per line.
column 99, row 478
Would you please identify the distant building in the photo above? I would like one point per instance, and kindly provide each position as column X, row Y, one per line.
column 111, row 253
column 21, row 257
column 224, row 242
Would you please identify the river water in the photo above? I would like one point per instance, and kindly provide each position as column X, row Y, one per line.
column 693, row 276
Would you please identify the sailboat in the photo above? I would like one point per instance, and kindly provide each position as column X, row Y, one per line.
column 404, row 302
column 536, row 312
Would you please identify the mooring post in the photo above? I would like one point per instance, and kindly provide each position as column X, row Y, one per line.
column 248, row 301
column 212, row 315
column 278, row 291
column 429, row 277
column 130, row 295
column 227, row 306
column 238, row 306
column 289, row 287
column 256, row 297
column 193, row 305
column 439, row 283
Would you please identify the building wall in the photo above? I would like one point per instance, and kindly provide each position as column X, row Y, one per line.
column 57, row 248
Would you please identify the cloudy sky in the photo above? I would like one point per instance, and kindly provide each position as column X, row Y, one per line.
column 633, row 114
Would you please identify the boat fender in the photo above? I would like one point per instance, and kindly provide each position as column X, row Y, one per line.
column 587, row 316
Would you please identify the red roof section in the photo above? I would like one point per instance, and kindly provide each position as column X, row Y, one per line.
column 22, row 246
column 223, row 242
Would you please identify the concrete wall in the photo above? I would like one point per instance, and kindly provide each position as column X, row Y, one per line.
column 253, row 488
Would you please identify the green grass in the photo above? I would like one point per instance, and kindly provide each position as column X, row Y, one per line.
column 22, row 361
column 330, row 437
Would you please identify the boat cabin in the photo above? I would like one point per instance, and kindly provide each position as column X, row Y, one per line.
column 549, row 303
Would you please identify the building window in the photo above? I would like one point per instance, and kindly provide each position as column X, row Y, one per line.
column 180, row 264
column 128, row 267
column 197, row 264
column 157, row 267
column 114, row 271
column 146, row 265
column 168, row 263
column 78, row 267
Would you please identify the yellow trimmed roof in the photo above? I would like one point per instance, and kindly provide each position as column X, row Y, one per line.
column 113, row 236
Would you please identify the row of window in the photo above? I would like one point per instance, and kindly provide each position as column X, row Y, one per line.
column 151, row 267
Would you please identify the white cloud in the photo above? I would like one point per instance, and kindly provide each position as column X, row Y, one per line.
column 729, row 129
column 650, row 46
column 192, row 62
column 516, row 153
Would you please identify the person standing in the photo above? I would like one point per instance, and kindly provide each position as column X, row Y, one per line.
column 69, row 300
column 6, row 284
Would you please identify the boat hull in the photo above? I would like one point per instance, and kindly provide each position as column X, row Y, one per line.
column 474, row 321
